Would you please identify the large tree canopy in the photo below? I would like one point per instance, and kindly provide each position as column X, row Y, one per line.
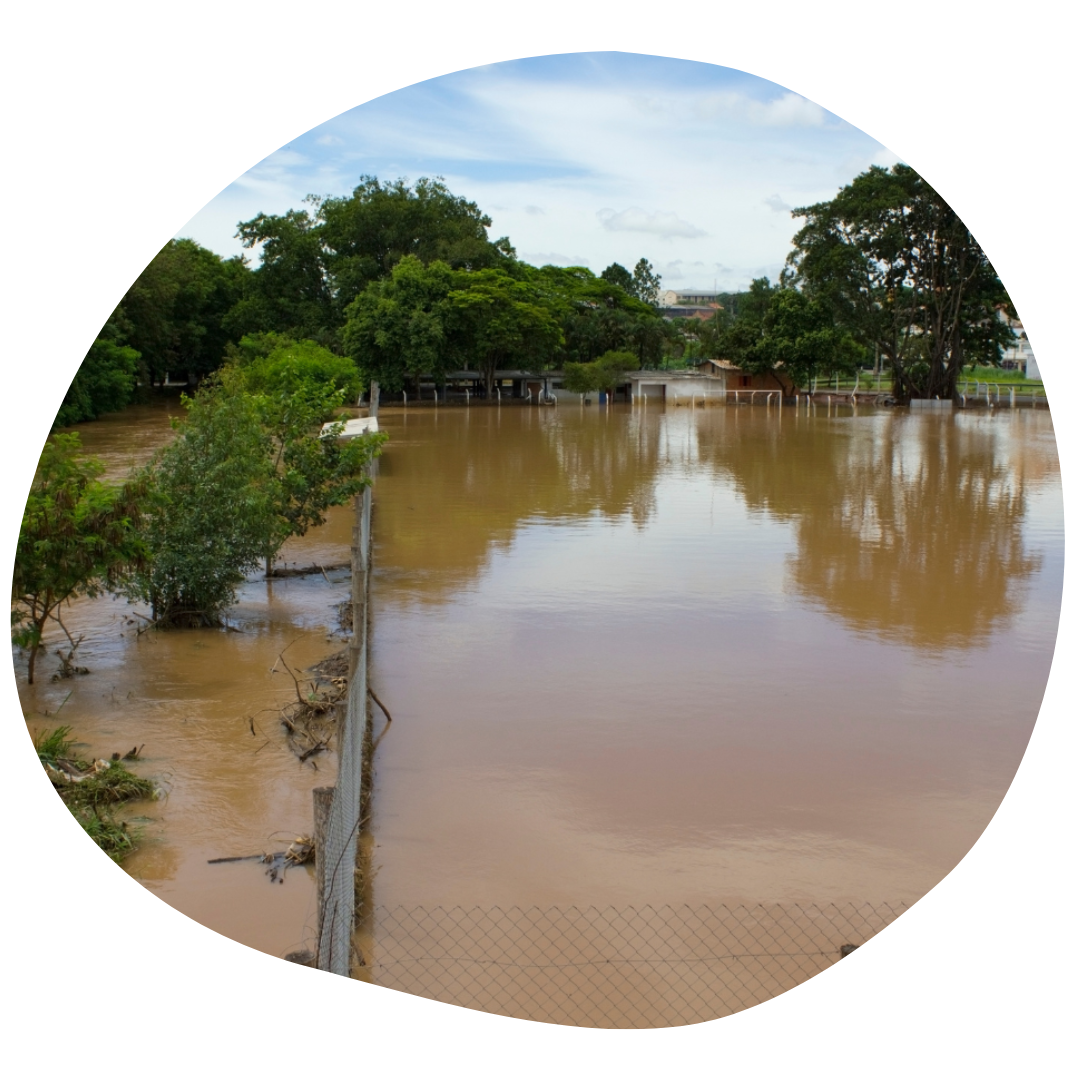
column 317, row 261
column 899, row 269
column 504, row 321
column 401, row 327
column 105, row 382
column 175, row 313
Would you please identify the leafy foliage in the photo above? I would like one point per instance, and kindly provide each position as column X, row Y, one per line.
column 250, row 467
column 104, row 383
column 604, row 373
column 504, row 320
column 901, row 271
column 785, row 334
column 174, row 315
column 646, row 286
column 312, row 469
column 275, row 363
column 209, row 514
column 78, row 537
column 402, row 326
column 316, row 262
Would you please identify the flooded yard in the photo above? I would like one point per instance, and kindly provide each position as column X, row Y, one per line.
column 720, row 656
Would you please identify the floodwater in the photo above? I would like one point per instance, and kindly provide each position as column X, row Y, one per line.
column 634, row 657
column 204, row 703
column 725, row 655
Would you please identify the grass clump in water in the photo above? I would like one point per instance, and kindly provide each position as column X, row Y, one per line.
column 92, row 791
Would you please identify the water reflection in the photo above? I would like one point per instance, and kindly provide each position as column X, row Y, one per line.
column 456, row 487
column 907, row 527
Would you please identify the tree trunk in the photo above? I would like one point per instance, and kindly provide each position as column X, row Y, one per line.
column 33, row 659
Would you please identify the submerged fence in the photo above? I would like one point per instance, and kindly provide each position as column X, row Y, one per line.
column 613, row 967
column 337, row 844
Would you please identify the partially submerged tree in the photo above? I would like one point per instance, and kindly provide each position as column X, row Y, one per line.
column 209, row 513
column 247, row 470
column 605, row 373
column 902, row 272
column 79, row 537
column 104, row 383
column 295, row 394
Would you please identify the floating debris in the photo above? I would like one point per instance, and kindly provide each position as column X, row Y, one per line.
column 299, row 852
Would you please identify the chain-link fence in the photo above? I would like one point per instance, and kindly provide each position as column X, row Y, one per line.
column 337, row 864
column 612, row 967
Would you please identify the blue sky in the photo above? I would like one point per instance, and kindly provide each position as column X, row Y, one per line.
column 585, row 159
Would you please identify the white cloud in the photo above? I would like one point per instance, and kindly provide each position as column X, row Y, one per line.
column 552, row 258
column 634, row 219
column 774, row 202
column 786, row 111
column 541, row 154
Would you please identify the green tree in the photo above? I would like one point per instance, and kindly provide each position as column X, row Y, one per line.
column 275, row 363
column 370, row 231
column 604, row 373
column 595, row 314
column 290, row 292
column 401, row 327
column 210, row 512
column 105, row 382
column 646, row 283
column 502, row 321
column 311, row 468
column 789, row 336
column 175, row 313
column 317, row 261
column 619, row 275
column 79, row 537
column 902, row 272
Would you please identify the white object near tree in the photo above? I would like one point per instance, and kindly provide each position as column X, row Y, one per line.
column 358, row 426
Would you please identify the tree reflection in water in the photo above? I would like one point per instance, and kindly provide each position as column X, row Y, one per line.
column 908, row 527
column 457, row 487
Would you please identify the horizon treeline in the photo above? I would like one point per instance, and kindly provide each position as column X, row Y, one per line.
column 402, row 278
column 405, row 281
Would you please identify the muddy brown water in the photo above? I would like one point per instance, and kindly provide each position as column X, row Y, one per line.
column 712, row 656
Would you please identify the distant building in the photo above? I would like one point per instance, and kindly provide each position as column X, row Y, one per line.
column 674, row 298
column 1018, row 356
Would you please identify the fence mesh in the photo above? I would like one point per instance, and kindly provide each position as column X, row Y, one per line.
column 612, row 967
column 339, row 859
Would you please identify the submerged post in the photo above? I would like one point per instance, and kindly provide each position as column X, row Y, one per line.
column 321, row 798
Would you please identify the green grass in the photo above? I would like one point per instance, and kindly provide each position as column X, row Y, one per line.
column 968, row 378
column 55, row 744
column 94, row 799
column 115, row 838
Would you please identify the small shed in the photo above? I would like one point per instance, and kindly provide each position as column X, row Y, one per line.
column 737, row 379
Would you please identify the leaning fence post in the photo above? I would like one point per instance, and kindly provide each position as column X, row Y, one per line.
column 321, row 798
